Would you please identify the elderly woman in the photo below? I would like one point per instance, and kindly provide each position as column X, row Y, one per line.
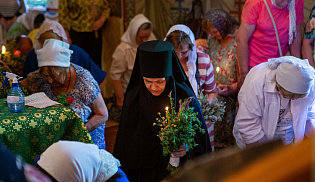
column 157, row 72
column 257, row 39
column 276, row 101
column 221, row 47
column 53, row 30
column 56, row 76
column 200, row 73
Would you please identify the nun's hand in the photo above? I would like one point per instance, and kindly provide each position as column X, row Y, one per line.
column 180, row 153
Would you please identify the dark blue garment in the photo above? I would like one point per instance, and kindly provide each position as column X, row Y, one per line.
column 120, row 176
column 11, row 166
column 79, row 57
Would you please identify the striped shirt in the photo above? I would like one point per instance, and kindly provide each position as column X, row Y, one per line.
column 10, row 8
column 207, row 81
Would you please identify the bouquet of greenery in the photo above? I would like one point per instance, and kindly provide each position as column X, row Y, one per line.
column 65, row 101
column 178, row 128
column 13, row 58
column 212, row 112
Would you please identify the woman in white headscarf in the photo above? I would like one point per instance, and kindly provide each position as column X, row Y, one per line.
column 276, row 101
column 26, row 23
column 58, row 76
column 202, row 78
column 76, row 161
column 139, row 31
column 54, row 30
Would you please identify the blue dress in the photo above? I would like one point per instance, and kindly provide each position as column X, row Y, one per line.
column 79, row 57
column 84, row 93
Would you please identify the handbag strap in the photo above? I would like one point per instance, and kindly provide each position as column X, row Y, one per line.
column 275, row 27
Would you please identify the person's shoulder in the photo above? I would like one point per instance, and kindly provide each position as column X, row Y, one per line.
column 79, row 68
column 253, row 3
column 75, row 48
column 202, row 54
column 124, row 46
column 203, row 58
column 259, row 71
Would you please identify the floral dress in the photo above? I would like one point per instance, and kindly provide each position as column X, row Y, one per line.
column 85, row 91
column 225, row 59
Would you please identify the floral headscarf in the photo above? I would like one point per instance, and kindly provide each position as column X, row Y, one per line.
column 224, row 22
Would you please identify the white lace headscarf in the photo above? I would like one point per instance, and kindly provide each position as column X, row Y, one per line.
column 192, row 55
column 47, row 26
column 292, row 19
column 129, row 37
column 293, row 74
column 77, row 161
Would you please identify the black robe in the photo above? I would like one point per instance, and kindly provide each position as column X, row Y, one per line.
column 137, row 146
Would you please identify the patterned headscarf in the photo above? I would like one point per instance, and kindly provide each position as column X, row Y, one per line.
column 224, row 22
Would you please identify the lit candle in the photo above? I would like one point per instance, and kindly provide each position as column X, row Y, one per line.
column 218, row 69
column 166, row 108
column 3, row 51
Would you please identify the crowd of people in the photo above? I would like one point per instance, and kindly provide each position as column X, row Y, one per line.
column 261, row 69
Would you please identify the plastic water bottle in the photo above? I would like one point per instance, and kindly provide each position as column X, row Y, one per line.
column 15, row 98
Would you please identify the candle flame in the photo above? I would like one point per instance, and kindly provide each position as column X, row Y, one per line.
column 3, row 49
column 218, row 69
column 166, row 108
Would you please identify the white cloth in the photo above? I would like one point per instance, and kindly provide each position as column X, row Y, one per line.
column 192, row 55
column 27, row 19
column 47, row 26
column 125, row 53
column 77, row 161
column 39, row 100
column 54, row 53
column 259, row 105
column 293, row 74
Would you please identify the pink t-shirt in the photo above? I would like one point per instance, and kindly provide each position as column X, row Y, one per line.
column 263, row 43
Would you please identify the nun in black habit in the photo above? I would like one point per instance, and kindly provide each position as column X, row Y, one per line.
column 137, row 146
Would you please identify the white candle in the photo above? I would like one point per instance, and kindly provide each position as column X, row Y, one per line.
column 218, row 69
column 3, row 49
